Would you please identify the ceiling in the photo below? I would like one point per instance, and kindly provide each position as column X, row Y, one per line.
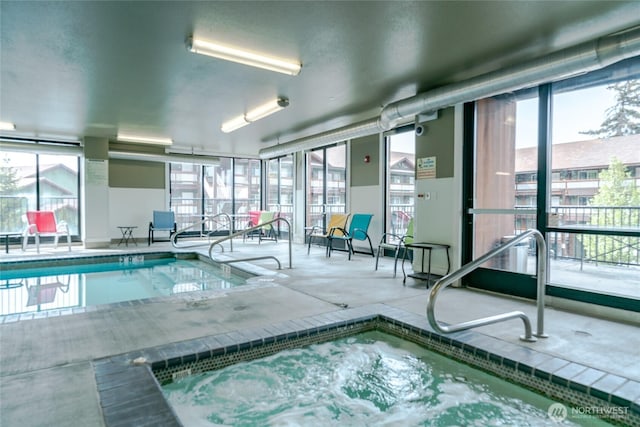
column 73, row 68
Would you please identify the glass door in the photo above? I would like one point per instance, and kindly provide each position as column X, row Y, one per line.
column 326, row 176
column 279, row 190
column 505, row 190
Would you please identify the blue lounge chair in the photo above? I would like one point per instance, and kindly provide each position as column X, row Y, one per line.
column 358, row 230
column 162, row 221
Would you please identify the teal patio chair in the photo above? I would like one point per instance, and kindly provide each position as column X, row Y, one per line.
column 396, row 245
column 358, row 230
column 162, row 221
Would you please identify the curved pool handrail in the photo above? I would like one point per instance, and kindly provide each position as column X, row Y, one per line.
column 248, row 230
column 204, row 220
column 541, row 251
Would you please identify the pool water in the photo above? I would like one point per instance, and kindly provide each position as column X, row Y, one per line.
column 372, row 379
column 72, row 286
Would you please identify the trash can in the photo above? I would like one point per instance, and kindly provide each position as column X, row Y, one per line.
column 515, row 258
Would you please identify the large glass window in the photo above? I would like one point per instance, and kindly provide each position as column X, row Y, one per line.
column 38, row 182
column 186, row 190
column 326, row 176
column 594, row 190
column 199, row 192
column 400, row 178
column 247, row 185
column 582, row 176
column 279, row 189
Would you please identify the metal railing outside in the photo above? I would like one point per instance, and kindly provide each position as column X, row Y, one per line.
column 249, row 230
column 468, row 268
column 203, row 221
column 580, row 245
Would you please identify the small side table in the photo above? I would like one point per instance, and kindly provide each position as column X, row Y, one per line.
column 425, row 246
column 127, row 234
column 6, row 235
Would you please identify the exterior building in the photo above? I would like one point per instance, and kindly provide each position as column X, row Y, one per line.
column 576, row 167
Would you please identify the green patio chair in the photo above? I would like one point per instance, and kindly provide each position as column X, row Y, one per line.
column 397, row 246
column 267, row 232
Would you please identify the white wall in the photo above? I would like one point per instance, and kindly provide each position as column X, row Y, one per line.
column 438, row 219
column 366, row 199
column 95, row 217
column 132, row 206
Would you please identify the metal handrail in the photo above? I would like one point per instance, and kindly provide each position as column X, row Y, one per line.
column 205, row 219
column 248, row 230
column 541, row 258
column 256, row 258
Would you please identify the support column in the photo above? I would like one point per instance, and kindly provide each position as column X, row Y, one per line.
column 95, row 193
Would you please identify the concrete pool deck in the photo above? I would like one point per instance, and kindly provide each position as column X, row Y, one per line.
column 46, row 371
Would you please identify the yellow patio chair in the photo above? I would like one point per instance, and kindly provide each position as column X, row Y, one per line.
column 337, row 222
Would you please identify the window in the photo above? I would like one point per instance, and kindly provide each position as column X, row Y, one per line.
column 505, row 188
column 39, row 182
column 206, row 191
column 400, row 175
column 325, row 184
column 585, row 186
column 594, row 146
column 280, row 189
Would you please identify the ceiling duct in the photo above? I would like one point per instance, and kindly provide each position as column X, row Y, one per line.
column 36, row 147
column 559, row 65
column 164, row 158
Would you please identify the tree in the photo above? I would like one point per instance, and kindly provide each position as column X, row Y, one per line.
column 623, row 118
column 11, row 207
column 616, row 204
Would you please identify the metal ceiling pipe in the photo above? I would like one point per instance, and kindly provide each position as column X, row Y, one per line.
column 579, row 59
column 164, row 158
column 366, row 127
column 41, row 148
column 560, row 65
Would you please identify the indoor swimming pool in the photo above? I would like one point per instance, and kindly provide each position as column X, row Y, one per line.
column 68, row 285
column 368, row 379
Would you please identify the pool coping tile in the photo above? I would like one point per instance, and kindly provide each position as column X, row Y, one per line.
column 115, row 373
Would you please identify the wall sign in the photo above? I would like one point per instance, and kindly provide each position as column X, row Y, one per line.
column 426, row 168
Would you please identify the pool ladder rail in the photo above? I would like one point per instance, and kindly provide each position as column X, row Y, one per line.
column 541, row 262
column 244, row 232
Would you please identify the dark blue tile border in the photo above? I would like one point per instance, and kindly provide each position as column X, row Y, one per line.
column 129, row 393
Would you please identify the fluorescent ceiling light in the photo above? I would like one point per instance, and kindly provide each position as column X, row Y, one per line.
column 255, row 114
column 243, row 57
column 144, row 139
column 266, row 109
column 234, row 124
column 7, row 126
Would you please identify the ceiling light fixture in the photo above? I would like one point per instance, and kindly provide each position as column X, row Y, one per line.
column 7, row 126
column 255, row 114
column 240, row 56
column 144, row 139
column 234, row 124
